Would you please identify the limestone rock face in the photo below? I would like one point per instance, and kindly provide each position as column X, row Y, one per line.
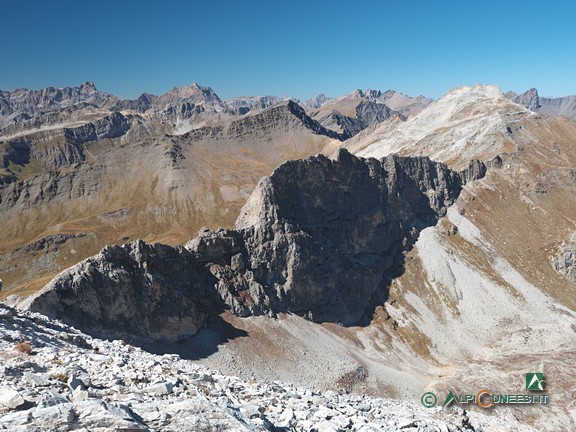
column 324, row 237
column 136, row 290
column 320, row 238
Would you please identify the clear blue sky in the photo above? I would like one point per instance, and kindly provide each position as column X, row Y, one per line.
column 297, row 48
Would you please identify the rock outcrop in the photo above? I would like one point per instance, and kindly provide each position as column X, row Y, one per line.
column 530, row 99
column 320, row 238
column 137, row 291
column 323, row 237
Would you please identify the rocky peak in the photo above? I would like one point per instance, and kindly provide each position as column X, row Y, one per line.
column 369, row 113
column 372, row 94
column 194, row 94
column 320, row 238
column 137, row 290
column 530, row 99
column 88, row 86
column 141, row 104
column 317, row 101
column 288, row 114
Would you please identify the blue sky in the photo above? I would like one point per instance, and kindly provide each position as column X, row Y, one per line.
column 298, row 48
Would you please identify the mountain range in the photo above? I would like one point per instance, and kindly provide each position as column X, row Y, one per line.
column 372, row 243
column 82, row 168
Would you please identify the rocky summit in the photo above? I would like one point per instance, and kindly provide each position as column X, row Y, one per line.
column 320, row 238
column 53, row 377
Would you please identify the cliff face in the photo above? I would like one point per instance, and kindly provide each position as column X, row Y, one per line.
column 323, row 237
column 320, row 238
column 135, row 291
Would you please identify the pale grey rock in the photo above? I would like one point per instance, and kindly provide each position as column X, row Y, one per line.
column 50, row 399
column 317, row 101
column 10, row 398
column 160, row 389
column 36, row 380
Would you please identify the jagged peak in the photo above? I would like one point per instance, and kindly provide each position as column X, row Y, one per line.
column 194, row 90
column 530, row 98
column 88, row 85
column 317, row 101
column 372, row 93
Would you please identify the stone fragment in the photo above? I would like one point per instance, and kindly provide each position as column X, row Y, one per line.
column 10, row 398
column 160, row 389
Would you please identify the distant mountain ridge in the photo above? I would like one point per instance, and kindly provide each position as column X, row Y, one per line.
column 22, row 108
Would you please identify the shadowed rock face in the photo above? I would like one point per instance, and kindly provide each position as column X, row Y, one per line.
column 137, row 291
column 320, row 238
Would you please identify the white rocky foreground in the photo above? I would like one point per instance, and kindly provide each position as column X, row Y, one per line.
column 52, row 377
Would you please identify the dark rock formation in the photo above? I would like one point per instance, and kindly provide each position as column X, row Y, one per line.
column 320, row 238
column 369, row 113
column 63, row 147
column 111, row 126
column 324, row 237
column 137, row 290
